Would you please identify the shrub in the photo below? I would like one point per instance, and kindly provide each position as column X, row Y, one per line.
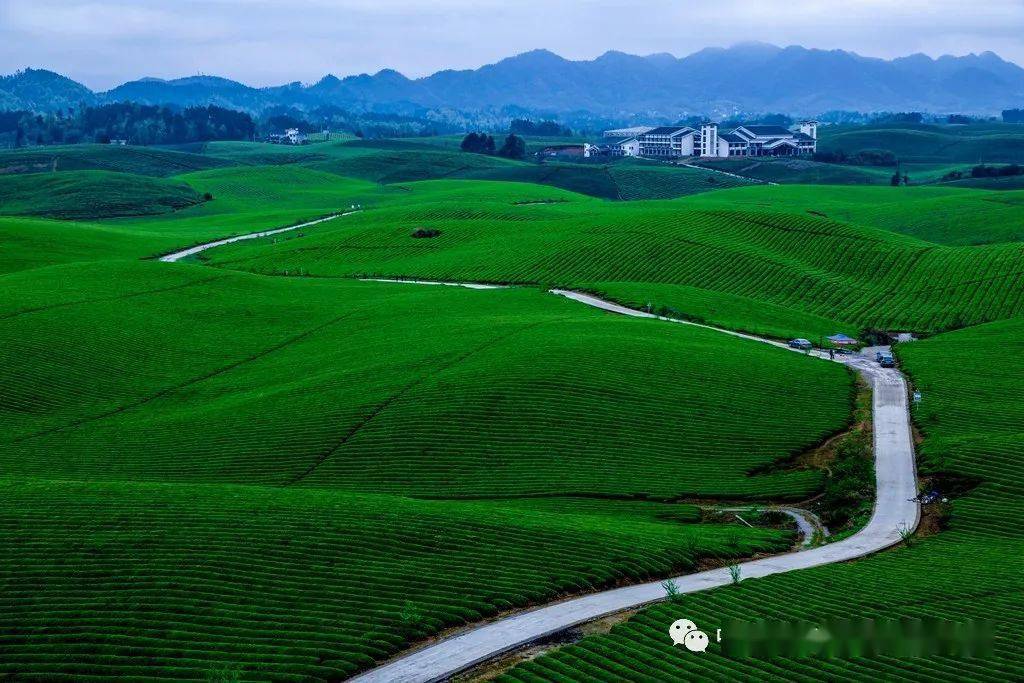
column 426, row 232
column 874, row 157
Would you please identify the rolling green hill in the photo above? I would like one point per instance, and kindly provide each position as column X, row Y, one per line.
column 147, row 161
column 244, row 199
column 405, row 161
column 943, row 215
column 853, row 274
column 801, row 171
column 92, row 195
column 923, row 143
column 971, row 416
column 359, row 386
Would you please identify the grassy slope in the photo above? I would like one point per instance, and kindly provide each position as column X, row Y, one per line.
column 853, row 274
column 360, row 386
column 92, row 195
column 971, row 416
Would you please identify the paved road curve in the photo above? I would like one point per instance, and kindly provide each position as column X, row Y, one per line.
column 895, row 508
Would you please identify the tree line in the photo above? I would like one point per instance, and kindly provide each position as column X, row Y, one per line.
column 514, row 146
column 863, row 157
column 136, row 123
column 541, row 128
column 1013, row 116
column 986, row 171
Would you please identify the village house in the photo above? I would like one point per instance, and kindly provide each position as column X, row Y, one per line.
column 291, row 136
column 613, row 147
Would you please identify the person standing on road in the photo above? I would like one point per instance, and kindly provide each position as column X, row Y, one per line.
column 831, row 354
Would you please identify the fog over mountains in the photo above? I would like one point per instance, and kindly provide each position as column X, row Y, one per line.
column 749, row 77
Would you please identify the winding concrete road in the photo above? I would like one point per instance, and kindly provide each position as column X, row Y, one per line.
column 895, row 508
column 178, row 255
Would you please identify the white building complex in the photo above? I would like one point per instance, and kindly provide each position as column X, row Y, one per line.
column 673, row 142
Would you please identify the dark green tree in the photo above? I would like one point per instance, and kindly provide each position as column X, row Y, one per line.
column 514, row 147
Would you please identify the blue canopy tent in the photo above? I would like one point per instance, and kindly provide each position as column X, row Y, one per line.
column 842, row 340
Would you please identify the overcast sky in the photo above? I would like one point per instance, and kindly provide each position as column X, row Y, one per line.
column 265, row 42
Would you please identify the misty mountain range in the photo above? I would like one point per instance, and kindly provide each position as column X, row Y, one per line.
column 749, row 77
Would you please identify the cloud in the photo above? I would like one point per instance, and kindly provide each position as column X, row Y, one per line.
column 104, row 42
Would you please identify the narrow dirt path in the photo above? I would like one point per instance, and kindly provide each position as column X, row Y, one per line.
column 757, row 181
column 895, row 509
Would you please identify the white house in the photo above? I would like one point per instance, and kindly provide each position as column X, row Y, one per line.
column 613, row 147
column 671, row 142
column 291, row 136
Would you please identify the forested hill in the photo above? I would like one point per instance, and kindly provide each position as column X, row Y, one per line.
column 748, row 77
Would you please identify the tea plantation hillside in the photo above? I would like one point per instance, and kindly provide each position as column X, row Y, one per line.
column 194, row 462
column 854, row 274
column 943, row 215
column 361, row 386
column 971, row 416
column 106, row 580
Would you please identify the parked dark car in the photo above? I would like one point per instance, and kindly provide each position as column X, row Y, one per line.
column 802, row 344
column 887, row 361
